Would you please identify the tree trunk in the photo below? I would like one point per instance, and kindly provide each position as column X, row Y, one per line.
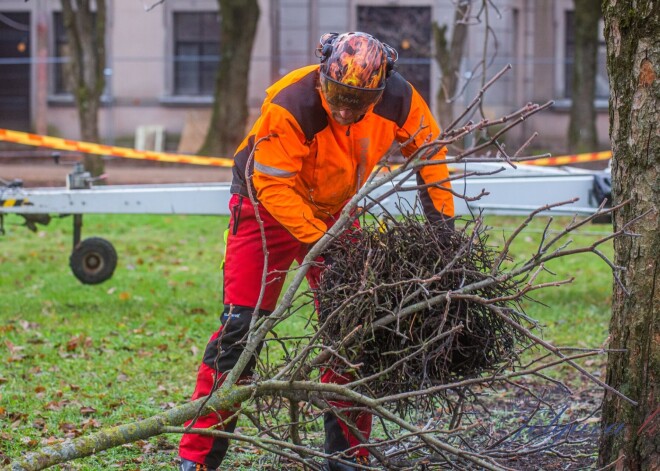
column 449, row 59
column 582, row 136
column 633, row 62
column 239, row 20
column 85, row 30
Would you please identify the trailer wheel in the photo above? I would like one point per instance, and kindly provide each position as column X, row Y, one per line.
column 93, row 261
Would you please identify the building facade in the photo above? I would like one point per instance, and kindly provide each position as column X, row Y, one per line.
column 161, row 60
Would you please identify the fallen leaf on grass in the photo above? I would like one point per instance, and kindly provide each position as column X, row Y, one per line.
column 13, row 348
column 39, row 424
column 7, row 328
column 16, row 418
column 86, row 410
column 77, row 341
column 246, row 449
column 90, row 423
column 164, row 444
column 51, row 441
column 70, row 430
column 28, row 325
column 29, row 441
column 145, row 446
column 55, row 405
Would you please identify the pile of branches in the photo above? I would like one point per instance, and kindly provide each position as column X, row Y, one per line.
column 389, row 309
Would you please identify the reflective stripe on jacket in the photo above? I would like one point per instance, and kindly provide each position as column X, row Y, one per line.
column 310, row 166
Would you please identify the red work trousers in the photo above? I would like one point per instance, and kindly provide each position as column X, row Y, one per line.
column 243, row 267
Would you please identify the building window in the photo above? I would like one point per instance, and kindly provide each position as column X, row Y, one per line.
column 408, row 30
column 602, row 83
column 62, row 67
column 196, row 52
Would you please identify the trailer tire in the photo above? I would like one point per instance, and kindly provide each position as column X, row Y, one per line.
column 93, row 261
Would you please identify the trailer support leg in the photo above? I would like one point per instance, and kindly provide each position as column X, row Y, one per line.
column 77, row 229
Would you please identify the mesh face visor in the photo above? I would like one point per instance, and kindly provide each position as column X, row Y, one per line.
column 342, row 96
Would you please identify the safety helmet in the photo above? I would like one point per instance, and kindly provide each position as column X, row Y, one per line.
column 354, row 69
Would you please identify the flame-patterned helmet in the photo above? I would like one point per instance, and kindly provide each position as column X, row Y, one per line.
column 354, row 68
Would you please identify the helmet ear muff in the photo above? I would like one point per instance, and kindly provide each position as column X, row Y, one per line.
column 324, row 51
column 391, row 57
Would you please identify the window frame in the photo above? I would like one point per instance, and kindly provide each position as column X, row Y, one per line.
column 55, row 94
column 174, row 93
column 59, row 64
column 562, row 9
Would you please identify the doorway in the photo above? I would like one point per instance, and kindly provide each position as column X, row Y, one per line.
column 15, row 71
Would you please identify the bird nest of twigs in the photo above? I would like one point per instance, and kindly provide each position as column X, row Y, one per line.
column 411, row 305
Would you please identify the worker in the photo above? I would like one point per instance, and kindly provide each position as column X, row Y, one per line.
column 322, row 130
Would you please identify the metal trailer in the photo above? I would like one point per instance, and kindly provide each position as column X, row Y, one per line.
column 93, row 260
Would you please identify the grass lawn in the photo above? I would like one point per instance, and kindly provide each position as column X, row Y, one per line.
column 77, row 358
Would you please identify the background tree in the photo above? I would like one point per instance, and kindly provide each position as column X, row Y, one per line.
column 633, row 64
column 582, row 135
column 238, row 28
column 448, row 55
column 85, row 31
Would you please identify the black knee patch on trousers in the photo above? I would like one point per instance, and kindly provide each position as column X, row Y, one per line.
column 223, row 352
column 334, row 436
column 220, row 446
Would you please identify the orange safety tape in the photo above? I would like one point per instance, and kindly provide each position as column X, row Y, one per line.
column 92, row 148
column 570, row 159
column 559, row 160
column 126, row 152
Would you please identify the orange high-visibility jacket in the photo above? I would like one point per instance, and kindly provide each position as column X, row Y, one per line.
column 310, row 166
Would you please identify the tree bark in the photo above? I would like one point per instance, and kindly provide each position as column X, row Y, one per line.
column 633, row 62
column 582, row 135
column 448, row 57
column 239, row 20
column 85, row 30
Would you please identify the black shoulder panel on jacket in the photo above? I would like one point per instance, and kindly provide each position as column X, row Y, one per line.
column 240, row 169
column 303, row 101
column 397, row 97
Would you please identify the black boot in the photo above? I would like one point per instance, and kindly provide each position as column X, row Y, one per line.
column 332, row 465
column 187, row 465
column 335, row 442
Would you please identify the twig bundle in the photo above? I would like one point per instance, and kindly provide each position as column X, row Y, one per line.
column 387, row 308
